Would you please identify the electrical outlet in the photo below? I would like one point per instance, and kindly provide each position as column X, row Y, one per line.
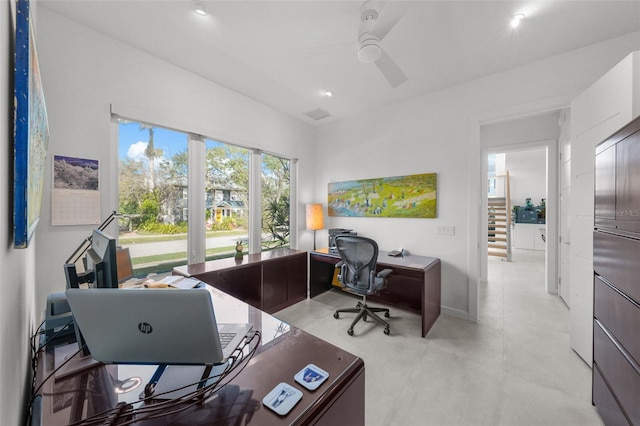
column 446, row 230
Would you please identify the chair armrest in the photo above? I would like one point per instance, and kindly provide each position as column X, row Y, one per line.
column 384, row 273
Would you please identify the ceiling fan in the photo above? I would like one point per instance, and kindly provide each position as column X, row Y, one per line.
column 370, row 50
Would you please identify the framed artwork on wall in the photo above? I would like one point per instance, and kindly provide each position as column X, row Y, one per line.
column 31, row 131
column 412, row 196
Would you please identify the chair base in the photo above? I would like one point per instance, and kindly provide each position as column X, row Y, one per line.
column 363, row 312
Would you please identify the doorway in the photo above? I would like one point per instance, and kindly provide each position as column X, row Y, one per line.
column 525, row 138
column 516, row 229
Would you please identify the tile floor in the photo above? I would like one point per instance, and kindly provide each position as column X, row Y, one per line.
column 513, row 367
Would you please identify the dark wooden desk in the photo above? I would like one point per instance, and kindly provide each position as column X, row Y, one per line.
column 283, row 351
column 270, row 281
column 414, row 284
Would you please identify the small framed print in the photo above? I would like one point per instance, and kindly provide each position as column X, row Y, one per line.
column 311, row 377
column 282, row 398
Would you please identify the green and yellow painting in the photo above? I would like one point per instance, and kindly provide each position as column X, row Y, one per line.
column 398, row 196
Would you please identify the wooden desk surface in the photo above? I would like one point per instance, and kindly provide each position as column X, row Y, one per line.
column 230, row 262
column 410, row 261
column 282, row 352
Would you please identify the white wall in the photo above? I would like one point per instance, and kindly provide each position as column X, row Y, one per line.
column 85, row 72
column 440, row 132
column 526, row 165
column 606, row 106
column 17, row 312
column 528, row 175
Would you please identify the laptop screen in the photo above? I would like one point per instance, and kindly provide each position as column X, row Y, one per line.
column 148, row 326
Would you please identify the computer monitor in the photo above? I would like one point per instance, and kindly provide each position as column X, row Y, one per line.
column 100, row 264
column 102, row 260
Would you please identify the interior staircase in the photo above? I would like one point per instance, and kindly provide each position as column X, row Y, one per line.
column 498, row 229
column 499, row 219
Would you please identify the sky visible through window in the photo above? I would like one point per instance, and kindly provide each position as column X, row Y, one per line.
column 133, row 140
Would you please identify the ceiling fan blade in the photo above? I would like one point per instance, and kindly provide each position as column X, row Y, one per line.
column 391, row 13
column 390, row 70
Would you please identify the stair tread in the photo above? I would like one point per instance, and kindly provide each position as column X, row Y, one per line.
column 497, row 253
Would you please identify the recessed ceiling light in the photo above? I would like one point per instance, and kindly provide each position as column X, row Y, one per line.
column 327, row 93
column 515, row 21
column 199, row 8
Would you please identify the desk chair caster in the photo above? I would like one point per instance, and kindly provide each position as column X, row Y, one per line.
column 365, row 312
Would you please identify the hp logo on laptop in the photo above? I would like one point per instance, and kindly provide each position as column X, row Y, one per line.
column 145, row 328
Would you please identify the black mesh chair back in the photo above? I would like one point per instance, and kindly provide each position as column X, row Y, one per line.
column 359, row 256
column 357, row 274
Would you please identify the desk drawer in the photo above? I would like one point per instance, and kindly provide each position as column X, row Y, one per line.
column 619, row 315
column 618, row 372
column 616, row 259
column 605, row 402
column 401, row 291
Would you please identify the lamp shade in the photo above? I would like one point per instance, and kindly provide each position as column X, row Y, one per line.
column 315, row 219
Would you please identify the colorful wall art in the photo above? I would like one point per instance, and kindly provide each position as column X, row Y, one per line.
column 31, row 131
column 399, row 196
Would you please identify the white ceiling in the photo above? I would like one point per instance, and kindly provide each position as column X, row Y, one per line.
column 284, row 53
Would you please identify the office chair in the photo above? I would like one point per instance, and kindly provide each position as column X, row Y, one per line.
column 358, row 275
column 124, row 264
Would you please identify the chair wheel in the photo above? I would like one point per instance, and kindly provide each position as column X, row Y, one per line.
column 387, row 315
column 350, row 332
column 387, row 331
column 336, row 315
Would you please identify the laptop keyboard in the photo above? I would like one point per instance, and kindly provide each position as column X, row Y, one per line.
column 225, row 338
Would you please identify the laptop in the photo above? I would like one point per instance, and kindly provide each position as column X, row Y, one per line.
column 153, row 326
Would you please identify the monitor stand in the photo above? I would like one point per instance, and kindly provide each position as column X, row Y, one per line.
column 75, row 365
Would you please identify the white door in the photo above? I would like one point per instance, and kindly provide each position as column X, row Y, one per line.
column 564, row 279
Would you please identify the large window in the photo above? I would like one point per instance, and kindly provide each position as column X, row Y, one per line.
column 153, row 198
column 154, row 183
column 226, row 198
column 275, row 201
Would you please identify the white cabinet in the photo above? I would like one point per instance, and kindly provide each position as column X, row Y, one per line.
column 530, row 236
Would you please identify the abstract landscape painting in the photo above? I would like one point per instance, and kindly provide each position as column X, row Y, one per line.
column 31, row 131
column 412, row 196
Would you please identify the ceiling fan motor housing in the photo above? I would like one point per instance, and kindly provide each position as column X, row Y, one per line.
column 369, row 49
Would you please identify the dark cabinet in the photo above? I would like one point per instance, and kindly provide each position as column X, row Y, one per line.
column 616, row 267
column 617, row 182
column 270, row 281
column 238, row 282
column 283, row 279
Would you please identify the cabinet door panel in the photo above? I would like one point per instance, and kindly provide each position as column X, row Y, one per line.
column 618, row 372
column 242, row 283
column 404, row 289
column 620, row 316
column 615, row 258
column 628, row 179
column 605, row 184
column 297, row 277
column 605, row 402
column 274, row 283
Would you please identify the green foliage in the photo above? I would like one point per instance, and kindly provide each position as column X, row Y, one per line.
column 154, row 227
column 276, row 222
column 149, row 207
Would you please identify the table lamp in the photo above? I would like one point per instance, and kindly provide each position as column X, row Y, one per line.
column 315, row 219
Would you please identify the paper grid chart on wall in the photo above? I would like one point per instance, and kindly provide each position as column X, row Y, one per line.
column 75, row 197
